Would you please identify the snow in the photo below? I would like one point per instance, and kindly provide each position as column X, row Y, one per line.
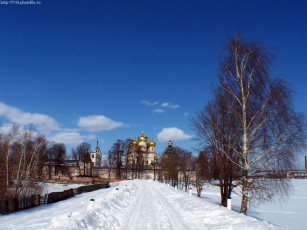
column 289, row 213
column 137, row 204
column 56, row 187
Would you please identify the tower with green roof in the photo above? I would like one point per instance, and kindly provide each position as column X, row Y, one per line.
column 96, row 156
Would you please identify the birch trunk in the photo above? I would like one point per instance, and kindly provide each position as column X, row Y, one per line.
column 244, row 201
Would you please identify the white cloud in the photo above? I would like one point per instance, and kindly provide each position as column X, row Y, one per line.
column 96, row 123
column 169, row 105
column 186, row 114
column 173, row 134
column 158, row 111
column 165, row 104
column 175, row 106
column 42, row 122
column 69, row 138
column 148, row 103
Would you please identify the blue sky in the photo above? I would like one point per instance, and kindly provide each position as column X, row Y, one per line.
column 82, row 70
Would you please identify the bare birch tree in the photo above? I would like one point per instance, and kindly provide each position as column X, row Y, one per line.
column 271, row 130
column 6, row 140
column 25, row 161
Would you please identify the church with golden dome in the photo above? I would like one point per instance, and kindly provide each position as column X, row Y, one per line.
column 141, row 151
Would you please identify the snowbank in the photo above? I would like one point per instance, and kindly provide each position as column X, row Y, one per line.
column 104, row 212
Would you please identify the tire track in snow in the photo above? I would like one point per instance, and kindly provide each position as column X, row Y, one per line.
column 172, row 214
column 145, row 213
column 153, row 211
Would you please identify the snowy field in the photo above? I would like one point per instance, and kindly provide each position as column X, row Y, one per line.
column 55, row 187
column 137, row 204
column 291, row 213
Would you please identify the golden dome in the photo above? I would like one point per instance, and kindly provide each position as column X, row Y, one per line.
column 142, row 138
column 134, row 142
column 152, row 143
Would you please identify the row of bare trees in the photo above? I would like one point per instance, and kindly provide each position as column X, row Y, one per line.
column 116, row 156
column 80, row 151
column 180, row 168
column 23, row 154
column 250, row 128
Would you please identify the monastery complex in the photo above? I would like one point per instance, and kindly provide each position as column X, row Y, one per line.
column 140, row 162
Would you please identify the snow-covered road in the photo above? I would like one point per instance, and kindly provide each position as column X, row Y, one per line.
column 153, row 211
column 137, row 204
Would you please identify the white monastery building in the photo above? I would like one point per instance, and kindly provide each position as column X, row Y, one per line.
column 141, row 149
